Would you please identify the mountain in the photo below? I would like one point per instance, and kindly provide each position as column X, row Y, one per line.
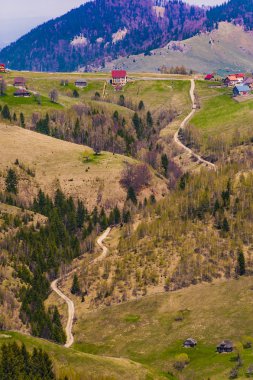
column 227, row 48
column 103, row 29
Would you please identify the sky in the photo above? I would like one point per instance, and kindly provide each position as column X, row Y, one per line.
column 17, row 17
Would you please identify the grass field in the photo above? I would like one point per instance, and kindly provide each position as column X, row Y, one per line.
column 156, row 94
column 57, row 163
column 151, row 331
column 81, row 366
column 220, row 115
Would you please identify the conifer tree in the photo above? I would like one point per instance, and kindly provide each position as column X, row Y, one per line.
column 11, row 182
column 241, row 263
column 75, row 289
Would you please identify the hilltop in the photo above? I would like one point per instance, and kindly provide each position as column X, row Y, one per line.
column 103, row 30
column 228, row 48
column 60, row 164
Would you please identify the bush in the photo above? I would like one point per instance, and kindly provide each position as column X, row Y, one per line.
column 181, row 361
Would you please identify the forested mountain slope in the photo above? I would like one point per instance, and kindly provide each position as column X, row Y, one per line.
column 99, row 30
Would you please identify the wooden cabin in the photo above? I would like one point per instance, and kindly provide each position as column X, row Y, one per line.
column 225, row 346
column 19, row 82
column 22, row 93
column 190, row 343
column 81, row 83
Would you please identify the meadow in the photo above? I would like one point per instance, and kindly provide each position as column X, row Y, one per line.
column 152, row 330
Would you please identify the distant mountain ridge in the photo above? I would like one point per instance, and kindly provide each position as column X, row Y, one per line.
column 102, row 30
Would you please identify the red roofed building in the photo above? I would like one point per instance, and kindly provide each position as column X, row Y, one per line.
column 234, row 79
column 119, row 77
column 209, row 77
column 2, row 68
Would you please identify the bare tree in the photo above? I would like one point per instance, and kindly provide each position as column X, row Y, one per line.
column 135, row 176
column 54, row 96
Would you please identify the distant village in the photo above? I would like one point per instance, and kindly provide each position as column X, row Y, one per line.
column 118, row 80
column 241, row 83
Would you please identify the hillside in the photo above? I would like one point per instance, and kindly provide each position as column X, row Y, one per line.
column 81, row 366
column 228, row 48
column 101, row 30
column 62, row 164
column 151, row 330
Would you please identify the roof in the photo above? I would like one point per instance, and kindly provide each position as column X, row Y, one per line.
column 240, row 75
column 119, row 73
column 22, row 91
column 2, row 64
column 19, row 79
column 232, row 77
column 209, row 76
column 80, row 81
column 242, row 88
column 190, row 340
column 227, row 343
column 248, row 81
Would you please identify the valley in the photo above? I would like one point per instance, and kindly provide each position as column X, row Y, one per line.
column 137, row 164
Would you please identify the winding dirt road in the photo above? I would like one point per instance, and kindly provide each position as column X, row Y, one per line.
column 183, row 125
column 69, row 302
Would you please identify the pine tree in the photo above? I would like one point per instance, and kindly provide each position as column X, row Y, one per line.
column 11, row 182
column 149, row 120
column 131, row 195
column 241, row 263
column 75, row 289
column 6, row 112
column 165, row 162
column 22, row 120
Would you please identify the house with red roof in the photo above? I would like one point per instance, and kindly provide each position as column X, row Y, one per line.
column 209, row 77
column 2, row 68
column 234, row 79
column 119, row 78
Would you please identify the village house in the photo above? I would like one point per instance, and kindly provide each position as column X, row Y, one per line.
column 119, row 78
column 234, row 79
column 22, row 93
column 209, row 77
column 81, row 83
column 248, row 82
column 19, row 82
column 2, row 68
column 241, row 90
column 225, row 347
column 190, row 343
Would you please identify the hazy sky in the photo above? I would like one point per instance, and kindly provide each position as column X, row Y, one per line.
column 19, row 16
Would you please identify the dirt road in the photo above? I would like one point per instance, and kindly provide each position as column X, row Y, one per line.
column 69, row 302
column 183, row 125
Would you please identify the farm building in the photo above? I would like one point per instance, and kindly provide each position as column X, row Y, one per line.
column 241, row 90
column 119, row 78
column 248, row 82
column 81, row 83
column 190, row 343
column 209, row 77
column 2, row 68
column 22, row 93
column 234, row 79
column 19, row 82
column 225, row 346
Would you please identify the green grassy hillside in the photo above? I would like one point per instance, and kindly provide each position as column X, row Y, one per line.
column 151, row 331
column 80, row 366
